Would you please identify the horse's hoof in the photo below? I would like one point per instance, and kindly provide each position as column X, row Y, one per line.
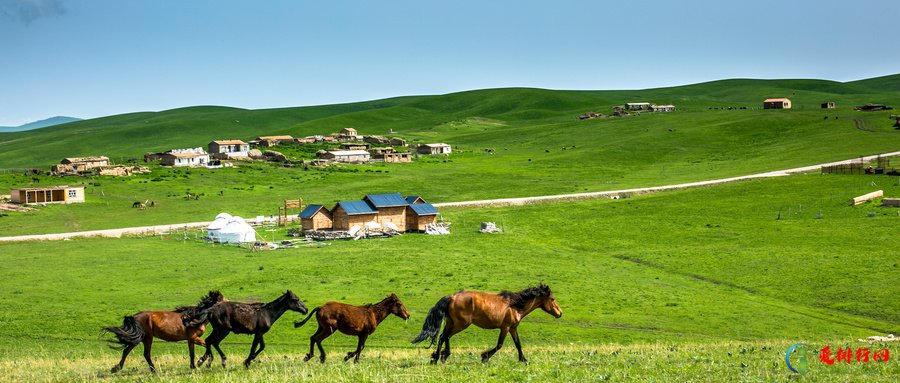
column 115, row 369
column 434, row 361
column 307, row 358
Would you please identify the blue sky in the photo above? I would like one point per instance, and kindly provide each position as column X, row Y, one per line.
column 92, row 58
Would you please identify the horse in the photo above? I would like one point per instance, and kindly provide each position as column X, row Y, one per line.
column 165, row 325
column 351, row 320
column 245, row 318
column 486, row 310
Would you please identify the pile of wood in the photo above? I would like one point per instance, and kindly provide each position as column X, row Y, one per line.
column 318, row 235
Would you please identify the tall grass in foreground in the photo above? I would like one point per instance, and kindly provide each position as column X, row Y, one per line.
column 658, row 362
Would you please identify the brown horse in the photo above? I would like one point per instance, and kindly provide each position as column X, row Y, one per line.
column 351, row 320
column 488, row 311
column 245, row 318
column 165, row 325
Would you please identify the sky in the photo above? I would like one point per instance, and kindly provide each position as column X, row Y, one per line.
column 94, row 58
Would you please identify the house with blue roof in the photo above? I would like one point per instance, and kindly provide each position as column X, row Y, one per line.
column 347, row 214
column 391, row 209
column 316, row 217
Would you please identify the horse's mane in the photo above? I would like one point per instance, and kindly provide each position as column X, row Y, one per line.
column 206, row 302
column 520, row 299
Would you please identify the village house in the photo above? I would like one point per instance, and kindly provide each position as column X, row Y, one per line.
column 394, row 157
column 777, row 103
column 637, row 106
column 229, row 149
column 398, row 142
column 662, row 108
column 375, row 152
column 316, row 217
column 434, row 149
column 267, row 141
column 346, row 156
column 828, row 105
column 391, row 209
column 348, row 134
column 354, row 146
column 51, row 194
column 184, row 157
column 79, row 164
column 347, row 214
column 419, row 213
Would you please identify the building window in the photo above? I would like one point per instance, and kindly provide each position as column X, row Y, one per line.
column 72, row 193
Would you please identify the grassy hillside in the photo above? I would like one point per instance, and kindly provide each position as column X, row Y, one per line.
column 131, row 135
column 507, row 143
column 702, row 281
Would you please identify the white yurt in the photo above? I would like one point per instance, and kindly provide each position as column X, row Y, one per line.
column 212, row 231
column 230, row 229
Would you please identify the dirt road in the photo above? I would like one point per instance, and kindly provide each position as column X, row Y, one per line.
column 150, row 230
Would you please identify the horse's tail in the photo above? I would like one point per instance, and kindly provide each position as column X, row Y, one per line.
column 129, row 334
column 433, row 321
column 303, row 322
column 193, row 316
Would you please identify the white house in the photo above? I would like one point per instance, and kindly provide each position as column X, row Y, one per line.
column 228, row 149
column 184, row 157
column 434, row 149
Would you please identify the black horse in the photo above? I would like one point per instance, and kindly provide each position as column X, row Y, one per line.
column 244, row 318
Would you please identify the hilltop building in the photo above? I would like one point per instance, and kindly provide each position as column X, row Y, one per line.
column 777, row 103
column 346, row 156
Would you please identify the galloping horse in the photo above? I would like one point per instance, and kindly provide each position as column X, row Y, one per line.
column 245, row 318
column 165, row 325
column 485, row 310
column 351, row 320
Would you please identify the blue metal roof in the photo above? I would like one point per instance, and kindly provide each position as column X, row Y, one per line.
column 412, row 198
column 423, row 209
column 357, row 207
column 310, row 211
column 386, row 200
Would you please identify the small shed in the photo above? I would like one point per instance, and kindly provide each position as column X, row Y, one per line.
column 435, row 149
column 420, row 214
column 347, row 214
column 828, row 105
column 777, row 103
column 413, row 199
column 391, row 208
column 316, row 217
column 50, row 194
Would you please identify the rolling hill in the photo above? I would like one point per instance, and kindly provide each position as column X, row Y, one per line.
column 52, row 121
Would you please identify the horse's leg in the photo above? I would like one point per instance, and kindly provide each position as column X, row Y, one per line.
column 208, row 353
column 485, row 356
column 317, row 338
column 360, row 345
column 125, row 352
column 515, row 335
column 444, row 336
column 191, row 352
column 256, row 338
column 148, row 344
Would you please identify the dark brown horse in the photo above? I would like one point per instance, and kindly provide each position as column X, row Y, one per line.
column 351, row 320
column 488, row 311
column 165, row 325
column 246, row 318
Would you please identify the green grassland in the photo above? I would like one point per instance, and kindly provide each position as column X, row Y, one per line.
column 693, row 276
column 701, row 284
column 507, row 143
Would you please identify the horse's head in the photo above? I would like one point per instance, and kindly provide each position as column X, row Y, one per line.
column 293, row 303
column 549, row 302
column 396, row 307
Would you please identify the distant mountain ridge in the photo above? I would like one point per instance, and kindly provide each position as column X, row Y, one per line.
column 58, row 120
